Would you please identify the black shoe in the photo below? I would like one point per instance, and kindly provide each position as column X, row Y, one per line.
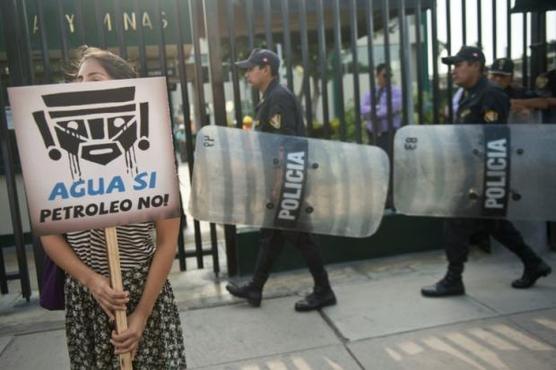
column 531, row 275
column 317, row 299
column 448, row 286
column 251, row 293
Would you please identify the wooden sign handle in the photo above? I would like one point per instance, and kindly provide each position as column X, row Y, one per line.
column 113, row 254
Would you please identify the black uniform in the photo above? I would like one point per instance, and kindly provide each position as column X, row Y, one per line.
column 279, row 113
column 482, row 104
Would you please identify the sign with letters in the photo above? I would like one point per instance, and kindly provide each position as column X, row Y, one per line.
column 288, row 182
column 95, row 154
column 498, row 171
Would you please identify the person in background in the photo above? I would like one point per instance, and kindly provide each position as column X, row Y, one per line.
column 375, row 115
column 501, row 73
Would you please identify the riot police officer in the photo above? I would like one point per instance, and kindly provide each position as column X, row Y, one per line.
column 280, row 113
column 481, row 103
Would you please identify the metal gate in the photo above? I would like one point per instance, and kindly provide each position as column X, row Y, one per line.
column 329, row 49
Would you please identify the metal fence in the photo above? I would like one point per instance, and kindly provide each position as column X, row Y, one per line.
column 329, row 50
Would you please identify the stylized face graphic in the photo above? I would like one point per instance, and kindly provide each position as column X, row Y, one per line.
column 94, row 125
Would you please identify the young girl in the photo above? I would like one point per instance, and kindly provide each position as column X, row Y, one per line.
column 154, row 335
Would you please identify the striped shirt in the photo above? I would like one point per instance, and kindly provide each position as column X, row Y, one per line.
column 135, row 243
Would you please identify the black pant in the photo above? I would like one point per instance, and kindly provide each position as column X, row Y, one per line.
column 458, row 231
column 271, row 245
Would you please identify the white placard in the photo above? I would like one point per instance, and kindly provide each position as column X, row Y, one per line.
column 95, row 154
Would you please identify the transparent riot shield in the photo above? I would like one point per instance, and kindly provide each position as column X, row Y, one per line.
column 482, row 171
column 286, row 182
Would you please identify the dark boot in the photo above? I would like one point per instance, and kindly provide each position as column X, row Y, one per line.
column 449, row 285
column 531, row 274
column 252, row 293
column 320, row 297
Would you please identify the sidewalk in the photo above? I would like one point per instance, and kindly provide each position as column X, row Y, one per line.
column 380, row 322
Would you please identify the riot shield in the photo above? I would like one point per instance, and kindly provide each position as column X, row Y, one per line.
column 286, row 182
column 477, row 171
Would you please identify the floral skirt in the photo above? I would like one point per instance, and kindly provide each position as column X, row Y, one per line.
column 88, row 329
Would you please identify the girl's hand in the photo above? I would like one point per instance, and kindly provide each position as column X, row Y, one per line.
column 128, row 340
column 109, row 299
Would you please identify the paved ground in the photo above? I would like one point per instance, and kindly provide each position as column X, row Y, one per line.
column 380, row 322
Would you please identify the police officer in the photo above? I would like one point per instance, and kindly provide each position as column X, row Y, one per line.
column 482, row 102
column 501, row 72
column 280, row 113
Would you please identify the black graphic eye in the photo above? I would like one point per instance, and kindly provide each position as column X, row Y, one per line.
column 76, row 126
column 119, row 122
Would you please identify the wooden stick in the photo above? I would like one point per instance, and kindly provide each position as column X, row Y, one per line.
column 116, row 281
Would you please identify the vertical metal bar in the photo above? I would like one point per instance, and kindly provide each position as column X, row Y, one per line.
column 524, row 64
column 120, row 28
column 388, row 62
column 250, row 10
column 494, row 16
column 389, row 108
column 63, row 33
column 306, row 67
column 339, row 98
column 287, row 43
column 406, row 90
column 186, row 112
column 268, row 24
column 508, row 29
column 219, row 101
column 463, row 21
column 3, row 275
column 435, row 88
column 323, row 68
column 230, row 21
column 27, row 43
column 44, row 42
column 141, row 39
column 80, row 21
column 161, row 42
column 193, row 11
column 449, row 49
column 38, row 252
column 479, row 25
column 538, row 61
column 99, row 17
column 355, row 66
column 418, row 40
column 371, row 57
column 164, row 71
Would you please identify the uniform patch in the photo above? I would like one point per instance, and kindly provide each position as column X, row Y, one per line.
column 276, row 121
column 491, row 116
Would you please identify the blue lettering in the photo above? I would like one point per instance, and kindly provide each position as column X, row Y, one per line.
column 116, row 183
column 76, row 190
column 59, row 190
column 91, row 187
column 152, row 184
column 140, row 183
